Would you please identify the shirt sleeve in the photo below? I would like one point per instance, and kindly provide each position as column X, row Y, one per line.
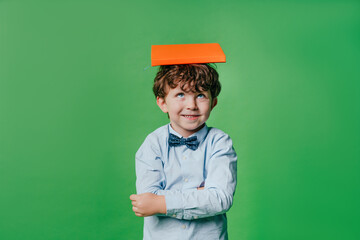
column 217, row 196
column 150, row 175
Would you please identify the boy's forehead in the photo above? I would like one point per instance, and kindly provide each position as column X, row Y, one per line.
column 184, row 87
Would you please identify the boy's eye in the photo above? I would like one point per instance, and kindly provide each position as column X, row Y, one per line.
column 180, row 95
column 201, row 96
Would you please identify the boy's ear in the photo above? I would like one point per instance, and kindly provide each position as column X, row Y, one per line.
column 162, row 104
column 214, row 102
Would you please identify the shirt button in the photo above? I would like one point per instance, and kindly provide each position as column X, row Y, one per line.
column 183, row 226
column 196, row 217
column 184, row 157
column 186, row 179
column 174, row 215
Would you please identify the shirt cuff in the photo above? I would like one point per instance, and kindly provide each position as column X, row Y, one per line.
column 174, row 205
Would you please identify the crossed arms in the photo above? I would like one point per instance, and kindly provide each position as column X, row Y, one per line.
column 215, row 198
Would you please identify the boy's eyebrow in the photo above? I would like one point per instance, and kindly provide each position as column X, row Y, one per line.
column 179, row 91
column 194, row 92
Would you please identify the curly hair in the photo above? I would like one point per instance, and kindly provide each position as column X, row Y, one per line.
column 191, row 77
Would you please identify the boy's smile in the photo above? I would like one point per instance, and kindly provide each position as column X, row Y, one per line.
column 188, row 111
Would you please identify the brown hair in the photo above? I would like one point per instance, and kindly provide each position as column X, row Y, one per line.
column 195, row 77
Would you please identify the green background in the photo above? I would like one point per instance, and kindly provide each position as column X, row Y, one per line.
column 76, row 103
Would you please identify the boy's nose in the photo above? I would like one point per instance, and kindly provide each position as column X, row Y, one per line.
column 191, row 104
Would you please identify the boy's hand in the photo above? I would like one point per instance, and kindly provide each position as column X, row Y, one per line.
column 147, row 204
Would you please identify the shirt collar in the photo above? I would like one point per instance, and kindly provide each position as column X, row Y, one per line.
column 199, row 134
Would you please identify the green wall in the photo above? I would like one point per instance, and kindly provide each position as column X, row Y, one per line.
column 76, row 103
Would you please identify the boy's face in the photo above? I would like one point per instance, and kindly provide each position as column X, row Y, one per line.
column 187, row 110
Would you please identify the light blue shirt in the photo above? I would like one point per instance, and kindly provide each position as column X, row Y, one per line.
column 176, row 172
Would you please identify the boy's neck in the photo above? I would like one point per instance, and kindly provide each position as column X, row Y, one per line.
column 187, row 133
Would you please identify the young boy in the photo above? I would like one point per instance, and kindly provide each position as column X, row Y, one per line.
column 186, row 171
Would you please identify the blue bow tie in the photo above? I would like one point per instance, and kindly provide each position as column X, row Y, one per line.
column 190, row 142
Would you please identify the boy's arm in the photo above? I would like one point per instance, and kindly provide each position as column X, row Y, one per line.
column 150, row 178
column 217, row 196
column 150, row 175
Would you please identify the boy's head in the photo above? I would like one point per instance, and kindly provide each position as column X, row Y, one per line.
column 187, row 93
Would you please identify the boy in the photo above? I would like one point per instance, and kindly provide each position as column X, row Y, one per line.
column 186, row 171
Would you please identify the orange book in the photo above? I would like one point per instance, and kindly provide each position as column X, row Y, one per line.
column 186, row 54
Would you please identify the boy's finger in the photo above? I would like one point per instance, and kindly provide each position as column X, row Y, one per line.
column 133, row 197
column 139, row 214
